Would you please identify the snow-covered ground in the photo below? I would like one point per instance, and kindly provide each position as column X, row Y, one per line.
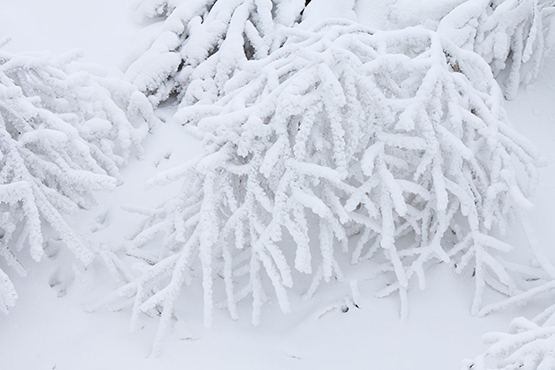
column 49, row 329
column 103, row 28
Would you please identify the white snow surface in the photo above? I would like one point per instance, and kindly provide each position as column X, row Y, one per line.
column 48, row 329
column 104, row 29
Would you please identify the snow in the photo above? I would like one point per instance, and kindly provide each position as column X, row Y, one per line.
column 102, row 28
column 319, row 10
column 48, row 329
column 393, row 14
column 435, row 337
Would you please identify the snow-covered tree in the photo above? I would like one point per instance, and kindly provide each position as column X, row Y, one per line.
column 63, row 134
column 395, row 140
column 513, row 36
column 200, row 44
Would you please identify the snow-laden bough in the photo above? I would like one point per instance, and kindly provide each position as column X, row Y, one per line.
column 513, row 36
column 200, row 44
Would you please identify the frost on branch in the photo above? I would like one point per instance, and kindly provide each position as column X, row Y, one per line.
column 511, row 35
column 201, row 44
column 527, row 345
column 63, row 134
column 397, row 140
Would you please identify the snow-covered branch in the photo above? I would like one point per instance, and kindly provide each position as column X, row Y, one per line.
column 513, row 36
column 198, row 45
column 526, row 345
column 201, row 44
column 63, row 134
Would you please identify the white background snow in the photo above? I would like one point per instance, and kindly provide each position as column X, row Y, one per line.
column 44, row 331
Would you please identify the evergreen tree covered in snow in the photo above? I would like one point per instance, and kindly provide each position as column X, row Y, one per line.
column 511, row 35
column 63, row 134
column 396, row 140
column 201, row 44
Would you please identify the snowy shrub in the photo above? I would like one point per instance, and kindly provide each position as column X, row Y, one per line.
column 396, row 141
column 201, row 44
column 511, row 35
column 526, row 345
column 63, row 134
